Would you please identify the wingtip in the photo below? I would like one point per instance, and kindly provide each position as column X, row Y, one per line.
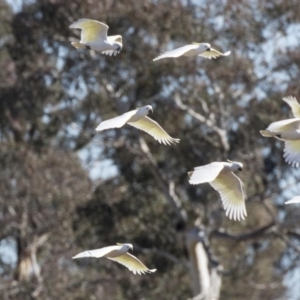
column 152, row 270
column 227, row 53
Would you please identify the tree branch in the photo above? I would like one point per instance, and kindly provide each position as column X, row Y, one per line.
column 209, row 123
column 243, row 237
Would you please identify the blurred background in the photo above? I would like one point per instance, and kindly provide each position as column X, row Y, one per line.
column 65, row 188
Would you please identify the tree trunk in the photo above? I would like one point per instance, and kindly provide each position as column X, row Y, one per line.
column 206, row 280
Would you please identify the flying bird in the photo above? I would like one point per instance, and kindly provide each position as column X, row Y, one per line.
column 94, row 37
column 289, row 132
column 138, row 118
column 295, row 199
column 200, row 49
column 221, row 177
column 119, row 254
column 294, row 104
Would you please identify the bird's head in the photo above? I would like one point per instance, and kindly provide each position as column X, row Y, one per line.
column 146, row 109
column 236, row 166
column 126, row 247
column 206, row 46
column 203, row 46
column 118, row 47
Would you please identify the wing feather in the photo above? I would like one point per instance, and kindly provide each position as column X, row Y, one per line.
column 294, row 105
column 213, row 54
column 205, row 173
column 295, row 199
column 176, row 52
column 154, row 129
column 292, row 153
column 132, row 263
column 97, row 252
column 116, row 122
column 92, row 30
column 230, row 189
column 285, row 125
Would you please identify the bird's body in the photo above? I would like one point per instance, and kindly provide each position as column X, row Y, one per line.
column 94, row 37
column 221, row 177
column 119, row 254
column 138, row 118
column 195, row 49
column 289, row 132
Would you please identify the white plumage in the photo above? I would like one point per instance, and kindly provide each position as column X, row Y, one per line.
column 94, row 37
column 295, row 199
column 138, row 118
column 293, row 103
column 119, row 254
column 200, row 49
column 289, row 132
column 221, row 177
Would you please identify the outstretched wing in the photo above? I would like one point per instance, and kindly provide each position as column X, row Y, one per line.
column 92, row 30
column 116, row 122
column 97, row 252
column 230, row 188
column 293, row 103
column 154, row 129
column 285, row 125
column 295, row 199
column 176, row 52
column 205, row 173
column 132, row 263
column 213, row 53
column 292, row 153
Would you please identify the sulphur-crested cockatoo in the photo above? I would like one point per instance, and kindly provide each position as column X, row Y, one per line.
column 293, row 103
column 295, row 199
column 221, row 177
column 138, row 118
column 202, row 49
column 119, row 254
column 94, row 37
column 289, row 132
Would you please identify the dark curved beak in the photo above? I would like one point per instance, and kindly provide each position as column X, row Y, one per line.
column 150, row 111
column 240, row 169
column 208, row 49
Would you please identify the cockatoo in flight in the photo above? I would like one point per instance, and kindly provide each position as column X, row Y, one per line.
column 289, row 132
column 138, row 118
column 200, row 49
column 221, row 177
column 119, row 254
column 94, row 37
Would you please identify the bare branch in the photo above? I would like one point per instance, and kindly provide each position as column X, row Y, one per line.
column 167, row 188
column 221, row 132
column 243, row 237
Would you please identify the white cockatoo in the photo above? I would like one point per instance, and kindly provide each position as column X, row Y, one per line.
column 295, row 199
column 221, row 177
column 138, row 118
column 200, row 49
column 119, row 254
column 293, row 103
column 94, row 37
column 289, row 132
